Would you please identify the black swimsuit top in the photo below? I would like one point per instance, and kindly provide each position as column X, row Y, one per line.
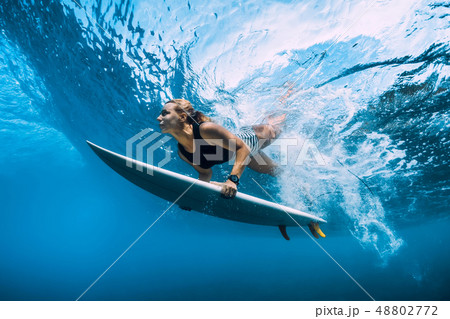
column 205, row 155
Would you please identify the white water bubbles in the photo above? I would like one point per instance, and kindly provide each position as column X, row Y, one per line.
column 369, row 224
column 351, row 160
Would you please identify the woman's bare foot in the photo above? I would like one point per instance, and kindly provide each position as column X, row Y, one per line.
column 276, row 120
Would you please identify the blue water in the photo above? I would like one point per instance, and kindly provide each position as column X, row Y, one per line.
column 370, row 89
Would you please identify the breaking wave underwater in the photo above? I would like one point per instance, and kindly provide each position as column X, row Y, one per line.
column 369, row 82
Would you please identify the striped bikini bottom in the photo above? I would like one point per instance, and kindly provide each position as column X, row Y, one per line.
column 248, row 136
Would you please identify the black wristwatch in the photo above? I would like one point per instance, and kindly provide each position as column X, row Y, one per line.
column 234, row 179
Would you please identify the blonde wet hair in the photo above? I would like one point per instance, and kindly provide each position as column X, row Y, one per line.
column 184, row 106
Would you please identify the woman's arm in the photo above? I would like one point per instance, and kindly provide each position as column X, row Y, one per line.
column 217, row 135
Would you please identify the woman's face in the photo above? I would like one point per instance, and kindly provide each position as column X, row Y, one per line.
column 169, row 119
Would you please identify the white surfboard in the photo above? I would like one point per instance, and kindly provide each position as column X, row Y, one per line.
column 203, row 197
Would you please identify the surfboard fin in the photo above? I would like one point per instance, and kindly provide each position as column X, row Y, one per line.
column 283, row 231
column 318, row 230
column 315, row 230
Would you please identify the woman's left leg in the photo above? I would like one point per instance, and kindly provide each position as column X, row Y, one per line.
column 263, row 164
column 267, row 133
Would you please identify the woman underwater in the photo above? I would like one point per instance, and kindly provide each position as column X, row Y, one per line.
column 203, row 144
